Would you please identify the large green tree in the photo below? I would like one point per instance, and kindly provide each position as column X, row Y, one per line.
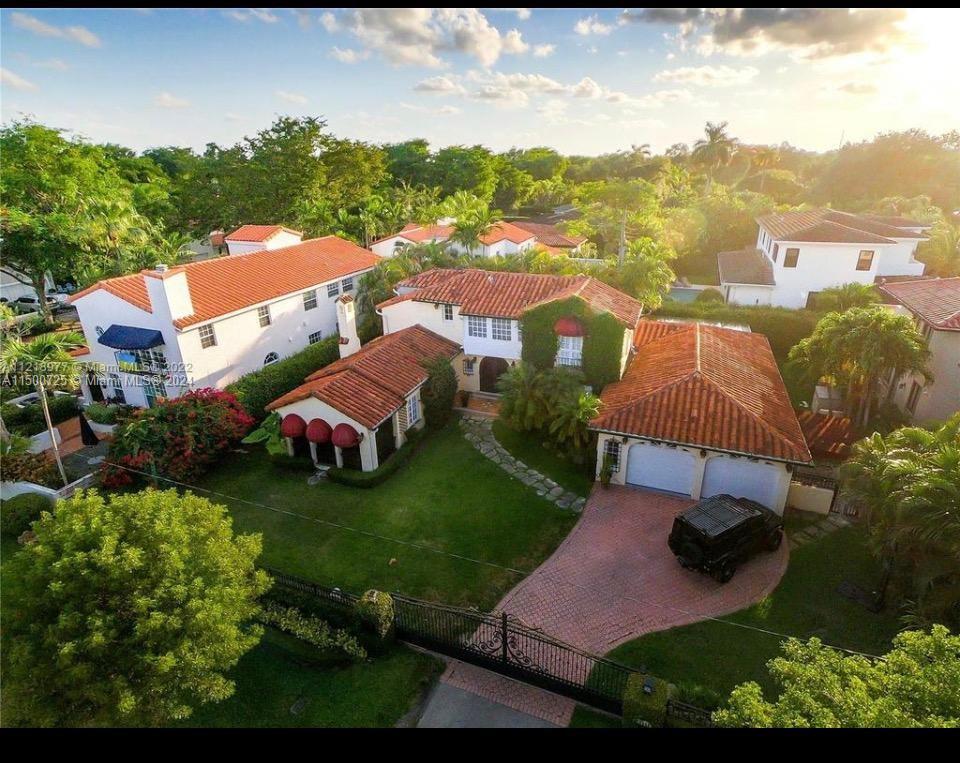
column 128, row 610
column 916, row 685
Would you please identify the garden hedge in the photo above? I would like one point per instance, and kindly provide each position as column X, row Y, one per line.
column 602, row 345
column 334, row 644
column 32, row 467
column 642, row 709
column 19, row 512
column 29, row 420
column 256, row 390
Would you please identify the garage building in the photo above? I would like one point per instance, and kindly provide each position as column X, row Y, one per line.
column 701, row 410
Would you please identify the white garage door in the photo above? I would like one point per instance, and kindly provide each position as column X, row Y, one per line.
column 660, row 468
column 741, row 479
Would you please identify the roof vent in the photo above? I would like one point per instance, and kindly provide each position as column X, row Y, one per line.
column 160, row 267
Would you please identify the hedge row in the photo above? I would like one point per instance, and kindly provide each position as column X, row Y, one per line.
column 256, row 390
column 355, row 478
column 336, row 643
column 19, row 512
column 29, row 420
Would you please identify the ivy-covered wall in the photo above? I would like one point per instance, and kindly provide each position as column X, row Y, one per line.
column 602, row 344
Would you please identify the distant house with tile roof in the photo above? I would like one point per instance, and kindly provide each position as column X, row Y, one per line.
column 800, row 253
column 503, row 238
column 934, row 305
column 160, row 332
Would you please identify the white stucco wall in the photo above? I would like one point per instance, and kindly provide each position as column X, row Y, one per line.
column 281, row 239
column 940, row 398
column 427, row 314
column 743, row 294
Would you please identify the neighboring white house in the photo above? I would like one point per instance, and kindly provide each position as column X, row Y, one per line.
column 253, row 238
column 161, row 332
column 481, row 311
column 12, row 285
column 503, row 238
column 700, row 411
column 358, row 410
column 799, row 254
column 935, row 306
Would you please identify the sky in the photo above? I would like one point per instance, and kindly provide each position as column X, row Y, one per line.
column 583, row 81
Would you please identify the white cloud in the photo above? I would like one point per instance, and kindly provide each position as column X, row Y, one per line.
column 661, row 98
column 349, row 55
column 329, row 22
column 232, row 116
column 708, row 76
column 303, row 17
column 75, row 33
column 443, row 111
column 286, row 95
column 587, row 88
column 542, row 51
column 592, row 25
column 522, row 13
column 513, row 43
column 15, row 81
column 253, row 14
column 441, row 85
column 56, row 64
column 166, row 100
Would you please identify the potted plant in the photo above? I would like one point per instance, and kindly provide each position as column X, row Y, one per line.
column 606, row 471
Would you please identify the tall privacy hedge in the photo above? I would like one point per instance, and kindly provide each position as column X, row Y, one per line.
column 602, row 344
column 256, row 390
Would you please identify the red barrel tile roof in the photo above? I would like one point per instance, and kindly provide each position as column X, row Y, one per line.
column 550, row 235
column 827, row 435
column 371, row 384
column 226, row 284
column 936, row 300
column 706, row 386
column 257, row 233
column 831, row 226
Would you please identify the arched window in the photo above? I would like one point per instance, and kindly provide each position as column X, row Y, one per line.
column 271, row 359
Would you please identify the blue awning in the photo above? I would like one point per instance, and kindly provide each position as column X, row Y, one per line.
column 130, row 338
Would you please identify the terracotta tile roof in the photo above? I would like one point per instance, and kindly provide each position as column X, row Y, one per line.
column 898, row 222
column 77, row 352
column 504, row 230
column 745, row 266
column 831, row 226
column 256, row 233
column 224, row 284
column 420, row 233
column 508, row 295
column 706, row 386
column 550, row 235
column 827, row 436
column 936, row 300
column 371, row 384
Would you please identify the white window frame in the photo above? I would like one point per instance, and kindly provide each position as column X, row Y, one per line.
column 469, row 366
column 310, row 299
column 569, row 351
column 208, row 336
column 501, row 330
column 869, row 267
column 272, row 357
column 477, row 326
column 333, row 289
column 263, row 316
column 314, row 337
column 448, row 312
column 612, row 448
column 786, row 256
column 413, row 410
column 346, row 284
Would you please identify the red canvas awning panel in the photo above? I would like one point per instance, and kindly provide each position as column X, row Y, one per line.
column 345, row 436
column 568, row 327
column 293, row 425
column 319, row 431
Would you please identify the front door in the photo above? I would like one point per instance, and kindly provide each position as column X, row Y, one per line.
column 491, row 369
column 93, row 384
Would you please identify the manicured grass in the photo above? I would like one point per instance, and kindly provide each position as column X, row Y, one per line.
column 448, row 498
column 588, row 718
column 528, row 447
column 717, row 656
column 277, row 688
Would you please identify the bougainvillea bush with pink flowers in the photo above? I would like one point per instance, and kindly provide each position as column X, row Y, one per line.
column 178, row 439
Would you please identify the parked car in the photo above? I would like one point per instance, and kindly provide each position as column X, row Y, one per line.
column 722, row 532
column 31, row 304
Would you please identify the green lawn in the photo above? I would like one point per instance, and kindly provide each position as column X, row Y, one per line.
column 447, row 498
column 717, row 656
column 528, row 448
column 277, row 688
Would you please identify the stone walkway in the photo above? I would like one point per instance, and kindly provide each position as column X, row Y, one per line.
column 818, row 529
column 479, row 431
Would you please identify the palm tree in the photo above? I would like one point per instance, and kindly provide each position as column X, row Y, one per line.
column 941, row 251
column 763, row 158
column 47, row 363
column 858, row 350
column 839, row 299
column 121, row 227
column 716, row 150
column 469, row 230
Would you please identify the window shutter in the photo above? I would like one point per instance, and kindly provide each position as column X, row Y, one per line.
column 402, row 423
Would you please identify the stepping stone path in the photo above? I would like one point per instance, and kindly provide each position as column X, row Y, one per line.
column 479, row 432
column 818, row 529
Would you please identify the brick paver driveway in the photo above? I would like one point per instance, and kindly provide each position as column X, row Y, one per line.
column 614, row 578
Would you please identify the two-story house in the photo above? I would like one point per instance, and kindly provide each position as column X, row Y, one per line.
column 161, row 332
column 799, row 254
column 503, row 238
column 935, row 306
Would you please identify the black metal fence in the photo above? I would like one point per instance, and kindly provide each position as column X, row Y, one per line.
column 682, row 713
column 498, row 642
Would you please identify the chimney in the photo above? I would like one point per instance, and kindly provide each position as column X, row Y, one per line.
column 347, row 323
column 169, row 292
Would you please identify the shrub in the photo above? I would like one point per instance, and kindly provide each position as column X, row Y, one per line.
column 100, row 413
column 709, row 295
column 177, row 438
column 439, row 391
column 642, row 709
column 355, row 478
column 376, row 610
column 256, row 390
column 19, row 512
column 31, row 467
column 334, row 642
column 29, row 420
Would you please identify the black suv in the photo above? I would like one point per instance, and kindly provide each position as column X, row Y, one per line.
column 722, row 532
